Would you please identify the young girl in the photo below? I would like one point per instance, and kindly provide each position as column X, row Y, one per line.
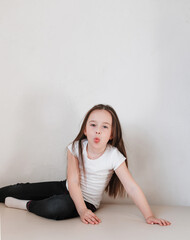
column 97, row 162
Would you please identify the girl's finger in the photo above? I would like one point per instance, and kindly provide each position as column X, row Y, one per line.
column 97, row 218
column 160, row 221
column 84, row 221
column 167, row 223
column 89, row 219
column 163, row 222
column 94, row 220
column 156, row 222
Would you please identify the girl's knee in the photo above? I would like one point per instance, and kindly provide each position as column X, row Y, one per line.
column 58, row 209
column 53, row 209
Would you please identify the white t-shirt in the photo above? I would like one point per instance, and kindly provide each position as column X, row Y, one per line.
column 98, row 171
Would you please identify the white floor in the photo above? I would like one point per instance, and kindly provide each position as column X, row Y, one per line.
column 118, row 222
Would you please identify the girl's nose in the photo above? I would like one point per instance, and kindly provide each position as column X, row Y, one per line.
column 97, row 131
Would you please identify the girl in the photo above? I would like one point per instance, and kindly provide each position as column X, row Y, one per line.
column 97, row 162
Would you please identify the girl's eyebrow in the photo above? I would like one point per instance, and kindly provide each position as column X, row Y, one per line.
column 103, row 122
column 107, row 123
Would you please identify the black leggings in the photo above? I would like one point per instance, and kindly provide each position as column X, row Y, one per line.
column 47, row 199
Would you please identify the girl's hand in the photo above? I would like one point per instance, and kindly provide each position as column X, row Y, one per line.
column 153, row 220
column 87, row 216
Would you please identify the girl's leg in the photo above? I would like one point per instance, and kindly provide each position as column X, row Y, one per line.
column 57, row 207
column 33, row 191
column 15, row 203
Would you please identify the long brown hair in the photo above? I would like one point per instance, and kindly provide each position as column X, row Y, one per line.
column 114, row 187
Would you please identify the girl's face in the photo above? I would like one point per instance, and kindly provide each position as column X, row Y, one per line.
column 98, row 128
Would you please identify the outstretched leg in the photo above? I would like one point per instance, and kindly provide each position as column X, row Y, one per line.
column 16, row 203
column 33, row 191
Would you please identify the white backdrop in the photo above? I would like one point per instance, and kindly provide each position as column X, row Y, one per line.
column 59, row 58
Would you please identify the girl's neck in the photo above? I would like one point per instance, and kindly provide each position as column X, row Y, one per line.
column 94, row 154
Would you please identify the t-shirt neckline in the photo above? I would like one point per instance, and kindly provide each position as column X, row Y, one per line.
column 85, row 148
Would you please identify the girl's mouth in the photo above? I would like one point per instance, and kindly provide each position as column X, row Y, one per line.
column 96, row 140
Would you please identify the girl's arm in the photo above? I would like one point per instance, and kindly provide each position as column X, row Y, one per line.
column 137, row 195
column 73, row 178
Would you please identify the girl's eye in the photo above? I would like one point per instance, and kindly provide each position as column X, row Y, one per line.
column 105, row 127
column 92, row 124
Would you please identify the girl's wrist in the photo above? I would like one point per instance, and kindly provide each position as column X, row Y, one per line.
column 149, row 217
column 81, row 210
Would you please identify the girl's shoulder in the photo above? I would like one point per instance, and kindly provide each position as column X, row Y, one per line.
column 74, row 146
column 115, row 156
column 113, row 150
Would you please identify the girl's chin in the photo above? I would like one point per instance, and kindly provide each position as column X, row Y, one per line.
column 97, row 144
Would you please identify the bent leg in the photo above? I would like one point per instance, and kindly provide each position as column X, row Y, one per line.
column 57, row 207
column 33, row 191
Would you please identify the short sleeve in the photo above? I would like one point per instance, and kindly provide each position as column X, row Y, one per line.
column 117, row 158
column 74, row 150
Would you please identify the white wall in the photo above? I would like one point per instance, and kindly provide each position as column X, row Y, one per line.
column 59, row 58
